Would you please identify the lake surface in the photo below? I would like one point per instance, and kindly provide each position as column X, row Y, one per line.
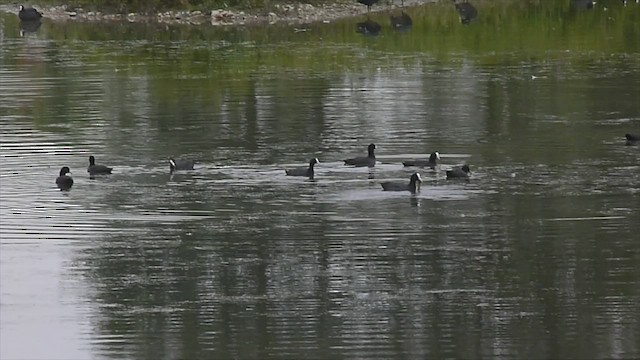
column 536, row 256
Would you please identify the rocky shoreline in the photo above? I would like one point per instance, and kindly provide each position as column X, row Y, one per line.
column 287, row 13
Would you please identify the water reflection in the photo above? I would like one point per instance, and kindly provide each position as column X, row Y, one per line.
column 368, row 27
column 414, row 201
column 466, row 11
column 401, row 22
column 29, row 26
column 583, row 4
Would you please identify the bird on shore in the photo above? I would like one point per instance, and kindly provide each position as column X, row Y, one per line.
column 369, row 3
column 303, row 171
column 180, row 164
column 466, row 11
column 94, row 169
column 432, row 162
column 369, row 160
column 459, row 172
column 632, row 139
column 29, row 14
column 412, row 186
column 64, row 181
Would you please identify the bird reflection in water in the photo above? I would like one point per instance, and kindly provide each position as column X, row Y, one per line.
column 466, row 11
column 27, row 27
column 401, row 22
column 582, row 4
column 368, row 27
column 414, row 201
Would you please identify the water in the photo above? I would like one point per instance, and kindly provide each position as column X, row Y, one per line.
column 535, row 256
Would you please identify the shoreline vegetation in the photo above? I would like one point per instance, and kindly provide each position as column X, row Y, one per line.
column 272, row 13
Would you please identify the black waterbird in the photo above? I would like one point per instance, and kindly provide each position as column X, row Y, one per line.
column 94, row 169
column 462, row 172
column 64, row 181
column 412, row 186
column 29, row 14
column 369, row 160
column 303, row 171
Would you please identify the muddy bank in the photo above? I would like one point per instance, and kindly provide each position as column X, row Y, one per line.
column 296, row 13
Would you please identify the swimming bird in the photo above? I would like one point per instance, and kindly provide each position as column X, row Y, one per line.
column 368, row 27
column 180, row 164
column 459, row 172
column 412, row 186
column 466, row 11
column 632, row 139
column 303, row 171
column 29, row 14
column 369, row 160
column 401, row 22
column 368, row 3
column 94, row 169
column 64, row 181
column 432, row 162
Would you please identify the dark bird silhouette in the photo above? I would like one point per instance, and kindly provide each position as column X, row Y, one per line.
column 29, row 14
column 412, row 186
column 632, row 139
column 303, row 171
column 401, row 22
column 368, row 3
column 368, row 27
column 466, row 11
column 94, row 169
column 459, row 172
column 431, row 162
column 180, row 164
column 369, row 160
column 64, row 181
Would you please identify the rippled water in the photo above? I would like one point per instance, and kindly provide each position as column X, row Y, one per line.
column 535, row 256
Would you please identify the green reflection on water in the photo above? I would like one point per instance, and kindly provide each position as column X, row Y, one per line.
column 504, row 26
